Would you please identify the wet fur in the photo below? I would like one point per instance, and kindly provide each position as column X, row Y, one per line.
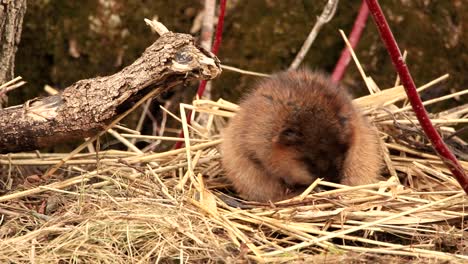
column 293, row 128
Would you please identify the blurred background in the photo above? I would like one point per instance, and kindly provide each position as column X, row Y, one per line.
column 65, row 41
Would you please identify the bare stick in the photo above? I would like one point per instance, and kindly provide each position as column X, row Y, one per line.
column 327, row 14
column 207, row 33
column 216, row 44
column 246, row 72
column 11, row 85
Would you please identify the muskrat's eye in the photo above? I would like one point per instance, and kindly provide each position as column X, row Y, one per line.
column 343, row 120
column 289, row 133
column 290, row 136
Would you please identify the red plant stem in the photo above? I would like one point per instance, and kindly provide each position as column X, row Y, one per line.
column 345, row 57
column 399, row 63
column 219, row 27
column 214, row 49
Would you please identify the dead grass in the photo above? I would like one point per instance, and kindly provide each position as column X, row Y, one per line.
column 134, row 207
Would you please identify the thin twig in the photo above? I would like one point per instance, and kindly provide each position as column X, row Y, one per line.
column 207, row 34
column 144, row 111
column 11, row 85
column 327, row 14
column 234, row 69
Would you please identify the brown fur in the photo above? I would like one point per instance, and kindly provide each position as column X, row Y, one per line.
column 292, row 129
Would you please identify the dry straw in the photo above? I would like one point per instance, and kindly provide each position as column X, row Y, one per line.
column 136, row 207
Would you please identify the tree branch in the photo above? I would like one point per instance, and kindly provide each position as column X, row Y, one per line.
column 88, row 106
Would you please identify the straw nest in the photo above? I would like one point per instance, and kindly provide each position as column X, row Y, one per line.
column 134, row 207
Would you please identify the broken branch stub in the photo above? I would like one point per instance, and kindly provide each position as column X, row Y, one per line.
column 86, row 107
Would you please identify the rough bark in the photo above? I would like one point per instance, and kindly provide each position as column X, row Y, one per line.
column 87, row 106
column 11, row 23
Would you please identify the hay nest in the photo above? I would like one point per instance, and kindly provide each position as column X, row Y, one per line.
column 134, row 207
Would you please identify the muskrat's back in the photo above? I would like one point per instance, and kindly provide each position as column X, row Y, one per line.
column 293, row 128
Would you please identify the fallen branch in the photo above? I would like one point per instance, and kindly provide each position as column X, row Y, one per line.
column 399, row 63
column 88, row 106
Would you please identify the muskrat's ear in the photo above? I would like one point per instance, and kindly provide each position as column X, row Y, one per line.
column 289, row 136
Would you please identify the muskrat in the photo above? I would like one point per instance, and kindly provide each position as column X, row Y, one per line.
column 293, row 128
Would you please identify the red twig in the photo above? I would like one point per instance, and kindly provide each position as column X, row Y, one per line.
column 345, row 58
column 214, row 49
column 219, row 27
column 399, row 63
